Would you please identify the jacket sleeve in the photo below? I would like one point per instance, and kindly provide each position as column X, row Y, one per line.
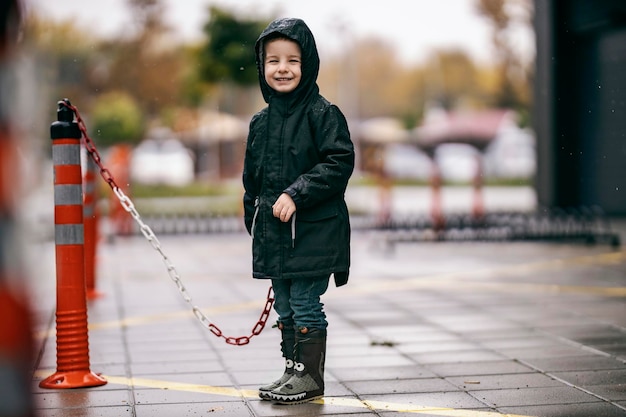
column 329, row 177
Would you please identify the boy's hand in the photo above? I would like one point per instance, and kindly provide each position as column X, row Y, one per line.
column 283, row 208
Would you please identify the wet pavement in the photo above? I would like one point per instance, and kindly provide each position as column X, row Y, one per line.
column 458, row 329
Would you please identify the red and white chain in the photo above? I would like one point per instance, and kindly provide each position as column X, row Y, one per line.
column 128, row 205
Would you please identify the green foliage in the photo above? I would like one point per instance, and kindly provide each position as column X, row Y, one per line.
column 116, row 118
column 503, row 14
column 196, row 189
column 228, row 54
column 410, row 120
column 192, row 90
column 197, row 197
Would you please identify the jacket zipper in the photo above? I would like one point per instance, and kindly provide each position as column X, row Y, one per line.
column 293, row 230
column 256, row 213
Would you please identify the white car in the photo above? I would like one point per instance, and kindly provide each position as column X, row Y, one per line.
column 162, row 162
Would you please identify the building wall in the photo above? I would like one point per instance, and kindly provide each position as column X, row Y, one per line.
column 580, row 103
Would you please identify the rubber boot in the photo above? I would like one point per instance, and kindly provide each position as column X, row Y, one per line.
column 287, row 347
column 307, row 381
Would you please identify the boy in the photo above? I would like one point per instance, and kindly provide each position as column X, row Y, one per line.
column 299, row 158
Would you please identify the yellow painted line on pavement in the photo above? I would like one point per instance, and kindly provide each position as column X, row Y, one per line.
column 332, row 401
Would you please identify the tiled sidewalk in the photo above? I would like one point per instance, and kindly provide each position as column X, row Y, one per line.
column 434, row 329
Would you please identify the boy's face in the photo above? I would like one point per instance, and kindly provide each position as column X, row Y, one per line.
column 283, row 65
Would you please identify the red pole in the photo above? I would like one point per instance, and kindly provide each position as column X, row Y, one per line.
column 439, row 222
column 385, row 197
column 90, row 221
column 16, row 352
column 478, row 207
column 16, row 344
column 71, row 315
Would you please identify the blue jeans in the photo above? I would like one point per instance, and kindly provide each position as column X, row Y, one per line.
column 297, row 302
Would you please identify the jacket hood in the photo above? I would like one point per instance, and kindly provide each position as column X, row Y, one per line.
column 298, row 31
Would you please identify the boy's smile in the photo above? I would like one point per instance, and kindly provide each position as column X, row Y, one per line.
column 283, row 65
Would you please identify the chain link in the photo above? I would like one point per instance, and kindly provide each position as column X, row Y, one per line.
column 147, row 232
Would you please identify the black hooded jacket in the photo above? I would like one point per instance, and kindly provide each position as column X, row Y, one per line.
column 300, row 145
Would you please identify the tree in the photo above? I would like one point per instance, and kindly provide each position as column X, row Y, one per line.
column 147, row 65
column 226, row 60
column 228, row 54
column 359, row 82
column 62, row 52
column 450, row 79
column 116, row 118
column 502, row 14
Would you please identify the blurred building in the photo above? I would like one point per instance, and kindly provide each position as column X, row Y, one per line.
column 580, row 103
column 456, row 141
column 218, row 144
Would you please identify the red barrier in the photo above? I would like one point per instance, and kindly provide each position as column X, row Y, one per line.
column 90, row 222
column 71, row 315
column 478, row 206
column 16, row 347
column 16, row 352
column 118, row 161
column 436, row 212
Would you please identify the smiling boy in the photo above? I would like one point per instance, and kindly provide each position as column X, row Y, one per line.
column 299, row 158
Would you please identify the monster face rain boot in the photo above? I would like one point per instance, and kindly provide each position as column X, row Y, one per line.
column 307, row 381
column 287, row 346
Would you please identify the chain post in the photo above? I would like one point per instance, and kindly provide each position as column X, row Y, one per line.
column 147, row 232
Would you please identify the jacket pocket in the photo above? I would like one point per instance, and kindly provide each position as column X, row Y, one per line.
column 315, row 214
column 313, row 230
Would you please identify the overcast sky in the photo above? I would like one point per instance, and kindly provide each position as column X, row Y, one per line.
column 413, row 28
